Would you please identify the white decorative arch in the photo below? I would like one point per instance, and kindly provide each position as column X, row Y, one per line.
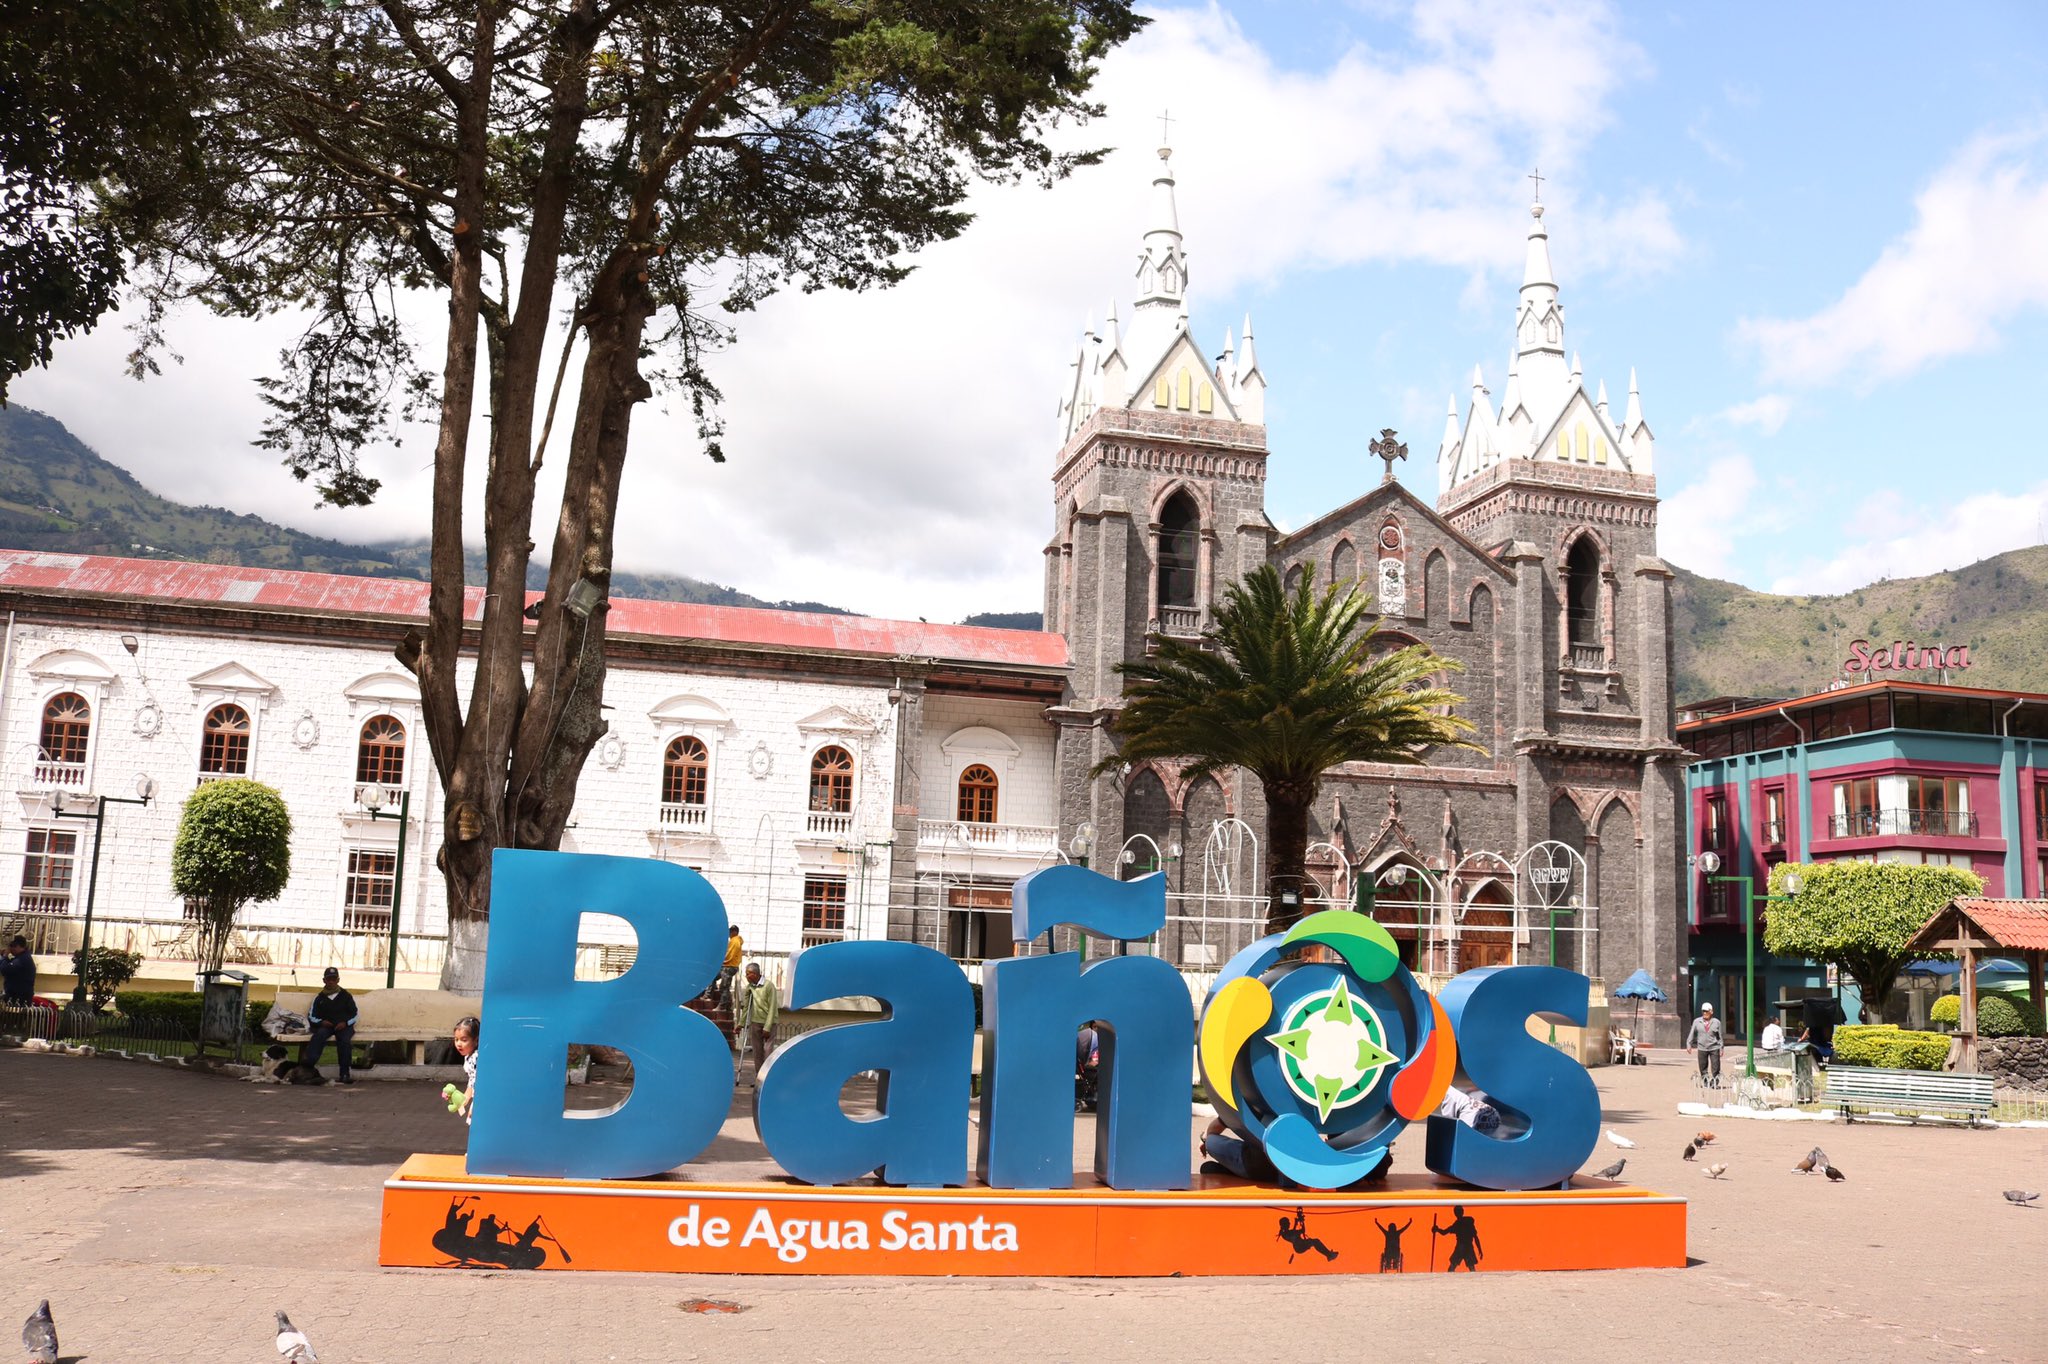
column 71, row 666
column 689, row 714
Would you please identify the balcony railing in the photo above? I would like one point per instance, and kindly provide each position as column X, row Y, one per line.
column 44, row 902
column 1182, row 621
column 386, row 796
column 817, row 937
column 1023, row 840
column 205, row 777
column 1588, row 658
column 679, row 816
column 1882, row 823
column 1774, row 833
column 827, row 824
column 68, row 775
column 1714, row 838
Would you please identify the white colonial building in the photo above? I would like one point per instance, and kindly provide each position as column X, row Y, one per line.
column 816, row 768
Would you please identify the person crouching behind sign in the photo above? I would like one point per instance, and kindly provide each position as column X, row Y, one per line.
column 468, row 1032
column 758, row 1004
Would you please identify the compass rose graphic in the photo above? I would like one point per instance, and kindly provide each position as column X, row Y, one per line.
column 1332, row 1049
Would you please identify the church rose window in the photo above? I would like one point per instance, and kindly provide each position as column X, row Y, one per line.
column 380, row 752
column 977, row 795
column 225, row 750
column 685, row 773
column 1180, row 530
column 832, row 781
column 67, row 724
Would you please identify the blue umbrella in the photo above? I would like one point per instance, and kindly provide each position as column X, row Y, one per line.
column 1949, row 968
column 1639, row 987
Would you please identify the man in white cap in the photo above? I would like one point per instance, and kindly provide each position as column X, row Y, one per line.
column 1706, row 1037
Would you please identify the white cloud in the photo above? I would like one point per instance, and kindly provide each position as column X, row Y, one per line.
column 1897, row 539
column 1767, row 413
column 1697, row 525
column 892, row 452
column 1972, row 261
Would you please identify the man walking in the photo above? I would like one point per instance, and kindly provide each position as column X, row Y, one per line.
column 735, row 948
column 1706, row 1037
column 758, row 1004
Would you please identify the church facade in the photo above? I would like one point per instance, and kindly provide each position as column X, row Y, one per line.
column 1536, row 571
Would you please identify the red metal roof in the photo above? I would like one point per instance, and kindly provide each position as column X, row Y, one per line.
column 404, row 598
column 1822, row 698
column 2019, row 925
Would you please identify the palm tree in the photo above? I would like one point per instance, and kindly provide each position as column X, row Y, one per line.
column 1286, row 686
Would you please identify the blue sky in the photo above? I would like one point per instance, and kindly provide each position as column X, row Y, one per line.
column 1818, row 232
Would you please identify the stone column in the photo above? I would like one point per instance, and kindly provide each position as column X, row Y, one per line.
column 906, row 924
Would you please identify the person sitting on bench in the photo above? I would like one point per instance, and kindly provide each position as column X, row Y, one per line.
column 333, row 1015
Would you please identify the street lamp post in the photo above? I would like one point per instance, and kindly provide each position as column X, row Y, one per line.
column 373, row 801
column 1710, row 863
column 145, row 791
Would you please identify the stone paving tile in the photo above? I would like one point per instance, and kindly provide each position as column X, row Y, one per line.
column 167, row 1214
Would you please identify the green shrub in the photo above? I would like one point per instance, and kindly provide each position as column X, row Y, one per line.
column 108, row 970
column 1890, row 1047
column 1998, row 1015
column 259, row 1009
column 160, row 1006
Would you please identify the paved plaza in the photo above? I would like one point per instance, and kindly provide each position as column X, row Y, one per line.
column 166, row 1215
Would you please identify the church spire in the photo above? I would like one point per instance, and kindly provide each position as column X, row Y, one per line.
column 1163, row 264
column 1539, row 326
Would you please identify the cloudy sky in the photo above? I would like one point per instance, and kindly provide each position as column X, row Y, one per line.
column 1819, row 233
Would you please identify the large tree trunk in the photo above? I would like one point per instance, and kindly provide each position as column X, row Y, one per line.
column 1288, row 802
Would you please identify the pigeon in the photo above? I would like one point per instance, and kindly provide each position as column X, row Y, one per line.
column 2019, row 1198
column 39, row 1336
column 1817, row 1156
column 1614, row 1172
column 1703, row 1139
column 1716, row 1171
column 1691, row 1149
column 1834, row 1176
column 292, row 1343
column 1805, row 1167
column 1619, row 1140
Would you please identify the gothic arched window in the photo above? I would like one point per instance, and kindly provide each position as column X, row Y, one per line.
column 67, row 725
column 1582, row 593
column 380, row 752
column 224, row 747
column 978, row 795
column 832, row 781
column 685, row 772
column 1180, row 537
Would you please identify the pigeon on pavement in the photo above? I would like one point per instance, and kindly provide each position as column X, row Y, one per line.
column 292, row 1343
column 2019, row 1198
column 1691, row 1149
column 1703, row 1138
column 1716, row 1171
column 1805, row 1167
column 1619, row 1140
column 1614, row 1171
column 1834, row 1176
column 39, row 1336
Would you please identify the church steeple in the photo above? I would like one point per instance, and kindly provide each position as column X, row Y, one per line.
column 1539, row 317
column 1163, row 264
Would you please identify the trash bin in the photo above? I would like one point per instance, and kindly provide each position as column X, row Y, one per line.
column 224, row 1010
column 1805, row 1085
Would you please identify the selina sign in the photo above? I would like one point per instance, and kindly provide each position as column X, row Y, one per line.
column 1907, row 656
column 1315, row 1044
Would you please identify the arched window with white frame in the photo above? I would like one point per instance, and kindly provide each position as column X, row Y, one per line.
column 380, row 752
column 978, row 790
column 832, row 781
column 685, row 781
column 64, row 741
column 224, row 743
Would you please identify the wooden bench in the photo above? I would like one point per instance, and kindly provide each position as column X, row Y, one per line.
column 414, row 1017
column 1909, row 1093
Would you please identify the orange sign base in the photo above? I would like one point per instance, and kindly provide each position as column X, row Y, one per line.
column 437, row 1215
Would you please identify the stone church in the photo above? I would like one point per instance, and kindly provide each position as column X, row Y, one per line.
column 1536, row 570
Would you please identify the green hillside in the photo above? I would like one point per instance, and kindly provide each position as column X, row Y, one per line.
column 56, row 494
column 1732, row 641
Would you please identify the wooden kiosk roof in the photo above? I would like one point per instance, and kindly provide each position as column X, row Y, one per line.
column 2002, row 925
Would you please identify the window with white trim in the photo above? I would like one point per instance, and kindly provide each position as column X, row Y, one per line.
column 224, row 743
column 48, row 867
column 824, row 909
column 370, row 890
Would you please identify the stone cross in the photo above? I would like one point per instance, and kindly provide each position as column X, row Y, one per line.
column 1388, row 449
column 1537, row 176
column 1165, row 128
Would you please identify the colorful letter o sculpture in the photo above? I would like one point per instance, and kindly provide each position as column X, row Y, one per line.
column 1323, row 1062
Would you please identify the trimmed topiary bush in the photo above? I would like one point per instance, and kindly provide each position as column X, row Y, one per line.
column 1998, row 1014
column 1889, row 1047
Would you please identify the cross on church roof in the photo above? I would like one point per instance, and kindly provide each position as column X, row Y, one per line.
column 1537, row 176
column 1388, row 449
column 1165, row 128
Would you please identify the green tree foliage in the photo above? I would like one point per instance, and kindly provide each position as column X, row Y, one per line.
column 95, row 98
column 1860, row 916
column 234, row 847
column 1998, row 1014
column 106, row 971
column 601, row 186
column 1286, row 685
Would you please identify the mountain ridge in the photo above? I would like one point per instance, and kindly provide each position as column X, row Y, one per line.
column 1727, row 640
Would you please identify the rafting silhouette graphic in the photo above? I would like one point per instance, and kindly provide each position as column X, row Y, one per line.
column 488, row 1245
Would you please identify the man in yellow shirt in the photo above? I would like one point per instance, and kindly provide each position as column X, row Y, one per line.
column 734, row 950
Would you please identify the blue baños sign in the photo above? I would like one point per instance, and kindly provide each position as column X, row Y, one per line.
column 1316, row 1045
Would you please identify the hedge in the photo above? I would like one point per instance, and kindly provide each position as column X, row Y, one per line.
column 1998, row 1014
column 180, row 1007
column 1890, row 1047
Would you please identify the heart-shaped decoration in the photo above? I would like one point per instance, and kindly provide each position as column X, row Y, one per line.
column 1550, row 868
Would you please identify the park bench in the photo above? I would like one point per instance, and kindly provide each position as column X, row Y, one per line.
column 1909, row 1093
column 413, row 1017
